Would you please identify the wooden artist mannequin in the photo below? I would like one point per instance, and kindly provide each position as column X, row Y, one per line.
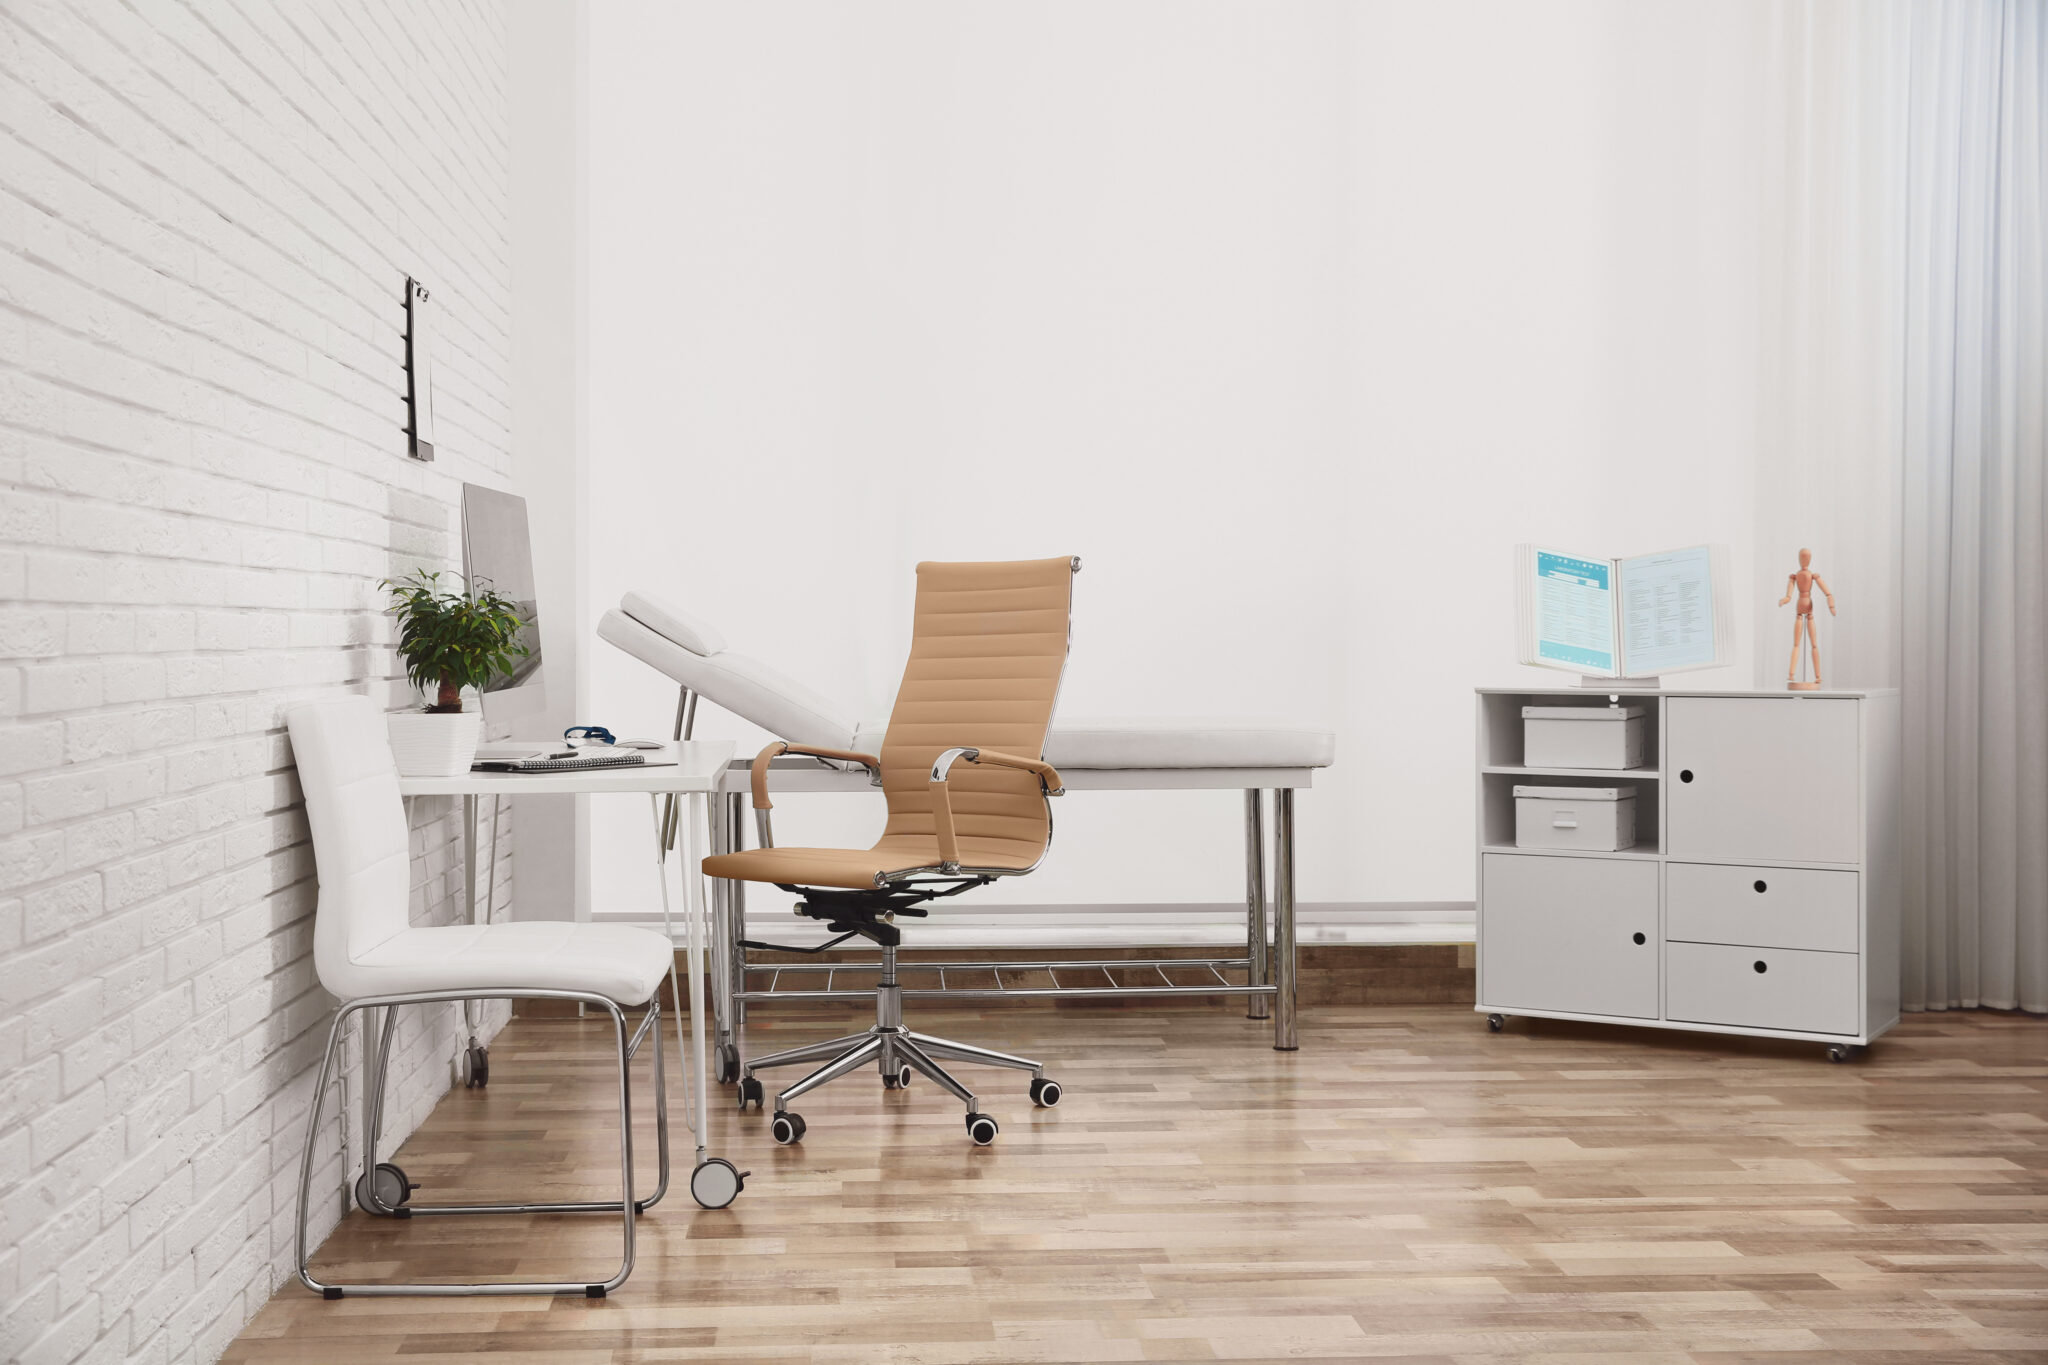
column 1804, row 582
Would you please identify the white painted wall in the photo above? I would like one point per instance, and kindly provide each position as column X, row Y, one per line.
column 207, row 214
column 1288, row 319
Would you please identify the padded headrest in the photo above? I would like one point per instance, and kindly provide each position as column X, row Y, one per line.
column 748, row 688
column 684, row 629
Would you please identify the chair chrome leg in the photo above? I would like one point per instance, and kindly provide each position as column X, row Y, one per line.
column 916, row 1056
column 809, row 1052
column 376, row 1077
column 626, row 1206
column 832, row 1070
column 967, row 1052
column 312, row 1140
column 660, row 1110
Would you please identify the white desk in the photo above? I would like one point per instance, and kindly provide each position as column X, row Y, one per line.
column 694, row 776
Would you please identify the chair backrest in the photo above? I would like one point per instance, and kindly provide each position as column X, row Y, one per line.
column 360, row 846
column 987, row 650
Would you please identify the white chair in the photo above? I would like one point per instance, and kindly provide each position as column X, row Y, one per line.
column 369, row 956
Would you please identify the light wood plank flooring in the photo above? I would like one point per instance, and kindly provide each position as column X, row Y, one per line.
column 1407, row 1187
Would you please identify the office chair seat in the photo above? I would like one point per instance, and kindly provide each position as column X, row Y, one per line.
column 621, row 962
column 857, row 869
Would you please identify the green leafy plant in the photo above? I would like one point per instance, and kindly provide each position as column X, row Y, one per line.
column 453, row 640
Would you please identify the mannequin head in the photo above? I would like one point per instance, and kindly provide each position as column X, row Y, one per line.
column 1806, row 559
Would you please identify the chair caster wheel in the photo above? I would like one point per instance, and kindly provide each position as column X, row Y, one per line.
column 1045, row 1093
column 393, row 1191
column 1496, row 1022
column 981, row 1128
column 750, row 1090
column 899, row 1079
column 728, row 1067
column 476, row 1066
column 787, row 1128
column 716, row 1183
column 1843, row 1052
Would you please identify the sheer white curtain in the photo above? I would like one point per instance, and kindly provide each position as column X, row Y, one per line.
column 1902, row 438
column 1974, row 600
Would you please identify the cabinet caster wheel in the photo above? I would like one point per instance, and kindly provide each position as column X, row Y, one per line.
column 728, row 1067
column 1843, row 1052
column 899, row 1079
column 1496, row 1022
column 476, row 1066
column 716, row 1183
column 393, row 1191
column 1045, row 1093
column 750, row 1090
column 787, row 1128
column 981, row 1128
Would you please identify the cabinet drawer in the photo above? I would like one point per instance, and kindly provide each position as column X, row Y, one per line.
column 1768, row 907
column 1711, row 983
column 1577, row 935
column 1764, row 779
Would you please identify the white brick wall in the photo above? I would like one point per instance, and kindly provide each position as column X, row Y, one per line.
column 208, row 209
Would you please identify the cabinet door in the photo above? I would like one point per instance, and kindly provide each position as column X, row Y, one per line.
column 1762, row 779
column 1571, row 934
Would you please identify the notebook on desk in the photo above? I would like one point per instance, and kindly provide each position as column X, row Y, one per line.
column 554, row 758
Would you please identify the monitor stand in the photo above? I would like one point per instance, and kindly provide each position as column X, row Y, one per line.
column 1649, row 684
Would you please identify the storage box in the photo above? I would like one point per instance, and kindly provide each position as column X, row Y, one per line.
column 1601, row 819
column 1582, row 736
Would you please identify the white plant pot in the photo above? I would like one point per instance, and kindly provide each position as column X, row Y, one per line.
column 425, row 745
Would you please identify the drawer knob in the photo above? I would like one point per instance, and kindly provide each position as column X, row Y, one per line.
column 1640, row 939
column 1685, row 774
column 1762, row 966
column 1760, row 887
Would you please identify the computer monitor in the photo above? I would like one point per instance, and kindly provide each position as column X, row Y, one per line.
column 496, row 550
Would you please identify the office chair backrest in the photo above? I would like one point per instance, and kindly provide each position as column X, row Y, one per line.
column 360, row 845
column 986, row 653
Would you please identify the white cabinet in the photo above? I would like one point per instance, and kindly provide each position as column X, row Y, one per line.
column 1761, row 896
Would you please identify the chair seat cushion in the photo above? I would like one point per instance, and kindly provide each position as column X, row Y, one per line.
column 1170, row 742
column 855, row 869
column 622, row 962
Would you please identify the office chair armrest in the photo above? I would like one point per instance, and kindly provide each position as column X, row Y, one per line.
column 942, row 801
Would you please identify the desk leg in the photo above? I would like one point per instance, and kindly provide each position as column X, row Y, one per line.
column 469, row 1024
column 736, row 921
column 721, row 951
column 1256, row 1006
column 1285, row 1036
column 693, row 911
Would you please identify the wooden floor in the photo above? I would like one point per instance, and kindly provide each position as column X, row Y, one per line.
column 1407, row 1187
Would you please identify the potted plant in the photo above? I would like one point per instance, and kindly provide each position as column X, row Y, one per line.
column 449, row 641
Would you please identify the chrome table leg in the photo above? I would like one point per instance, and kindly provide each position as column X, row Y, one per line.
column 1256, row 1006
column 1285, row 1035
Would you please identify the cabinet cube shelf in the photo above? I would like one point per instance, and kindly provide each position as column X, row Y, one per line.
column 1761, row 897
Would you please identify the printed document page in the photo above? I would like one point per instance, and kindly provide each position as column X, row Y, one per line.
column 1668, row 611
column 1572, row 603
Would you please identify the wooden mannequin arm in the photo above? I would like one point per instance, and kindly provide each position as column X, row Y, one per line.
column 942, row 801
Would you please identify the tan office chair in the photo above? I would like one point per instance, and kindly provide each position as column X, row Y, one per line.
column 968, row 790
